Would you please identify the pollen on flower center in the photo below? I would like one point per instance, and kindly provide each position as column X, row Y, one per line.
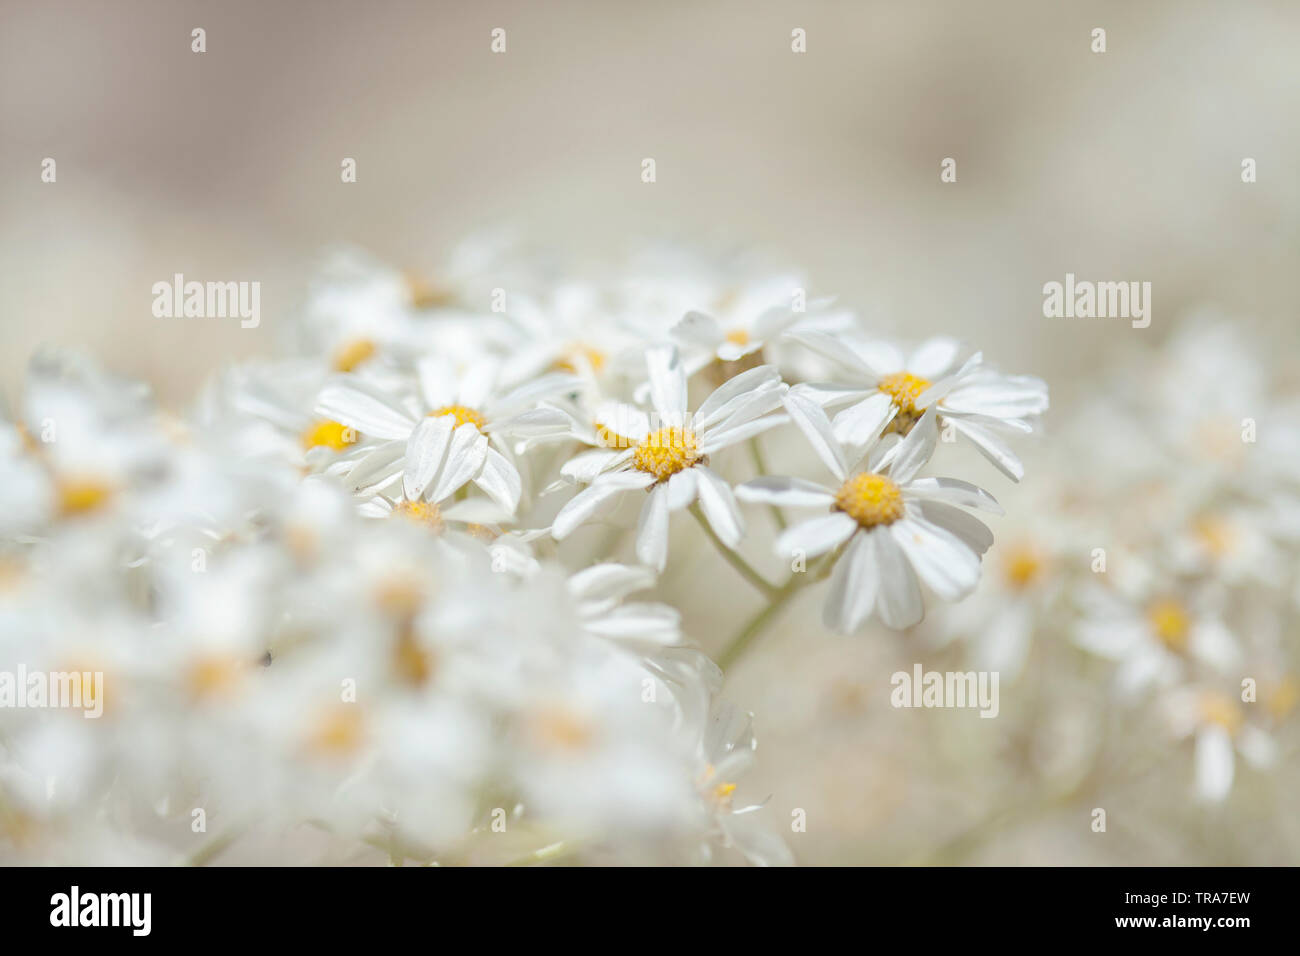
column 330, row 435
column 870, row 500
column 463, row 413
column 1022, row 566
column 79, row 496
column 904, row 388
column 421, row 512
column 738, row 337
column 1170, row 623
column 667, row 451
column 579, row 358
column 351, row 354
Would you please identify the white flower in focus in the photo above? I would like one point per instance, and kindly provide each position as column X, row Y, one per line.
column 890, row 392
column 670, row 461
column 894, row 526
column 414, row 445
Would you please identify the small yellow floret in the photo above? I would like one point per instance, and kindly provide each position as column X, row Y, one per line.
column 79, row 496
column 463, row 414
column 329, row 435
column 870, row 500
column 667, row 451
column 351, row 354
column 1170, row 622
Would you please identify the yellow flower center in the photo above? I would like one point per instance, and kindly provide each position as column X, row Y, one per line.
column 1216, row 535
column 329, row 435
column 338, row 731
column 719, row 793
column 738, row 337
column 558, row 729
column 1170, row 622
column 412, row 663
column 870, row 500
column 79, row 496
column 904, row 389
column 215, row 674
column 463, row 413
column 427, row 294
column 1282, row 700
column 1220, row 709
column 351, row 354
column 665, row 452
column 421, row 512
column 1022, row 566
column 579, row 358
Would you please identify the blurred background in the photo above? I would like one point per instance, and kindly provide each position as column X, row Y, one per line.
column 1123, row 166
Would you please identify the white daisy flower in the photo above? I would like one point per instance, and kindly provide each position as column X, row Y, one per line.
column 1217, row 723
column 726, row 754
column 740, row 323
column 670, row 460
column 892, row 392
column 471, row 403
column 1156, row 635
column 893, row 525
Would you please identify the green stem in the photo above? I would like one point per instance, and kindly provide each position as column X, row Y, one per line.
column 760, row 465
column 779, row 598
column 544, row 855
column 734, row 559
column 212, row 849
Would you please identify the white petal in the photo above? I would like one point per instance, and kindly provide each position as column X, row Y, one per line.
column 914, row 451
column 817, row 535
column 816, row 427
column 588, row 502
column 973, row 532
column 424, row 453
column 698, row 329
column 476, row 511
column 477, row 382
column 729, row 396
column 361, row 406
column 853, row 587
column 682, row 489
column 718, row 438
column 465, row 456
column 791, row 492
column 933, row 358
column 833, row 347
column 584, row 467
column 652, row 530
column 719, row 506
column 990, row 446
column 529, row 393
column 940, row 558
column 899, row 600
column 637, row 622
column 954, row 491
column 1214, row 763
column 862, row 422
column 667, row 384
column 377, row 467
column 500, row 480
column 828, row 395
column 610, row 582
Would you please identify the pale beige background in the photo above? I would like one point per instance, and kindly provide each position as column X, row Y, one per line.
column 1117, row 166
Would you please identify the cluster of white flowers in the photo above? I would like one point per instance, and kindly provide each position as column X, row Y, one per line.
column 334, row 594
column 1174, row 554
